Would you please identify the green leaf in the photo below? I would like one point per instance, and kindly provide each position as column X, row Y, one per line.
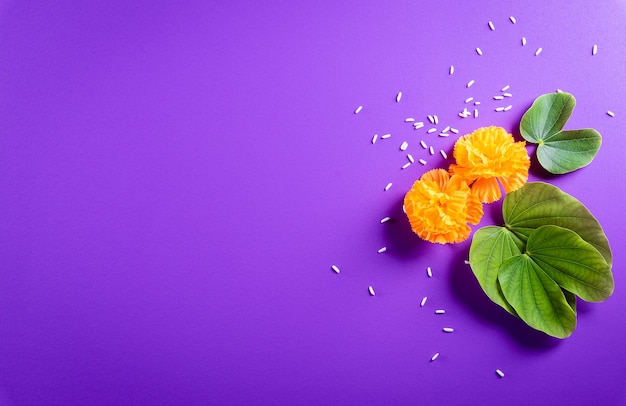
column 558, row 151
column 536, row 298
column 547, row 116
column 491, row 246
column 538, row 204
column 571, row 262
column 567, row 151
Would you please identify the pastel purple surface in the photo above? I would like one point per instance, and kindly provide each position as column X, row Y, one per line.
column 178, row 178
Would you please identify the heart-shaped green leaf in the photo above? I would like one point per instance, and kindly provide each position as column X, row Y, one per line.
column 538, row 204
column 491, row 246
column 558, row 151
column 547, row 116
column 571, row 262
column 536, row 297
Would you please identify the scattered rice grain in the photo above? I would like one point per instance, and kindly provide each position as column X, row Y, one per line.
column 444, row 134
column 423, row 144
column 594, row 50
column 440, row 311
column 454, row 130
column 469, row 99
column 406, row 165
column 409, row 120
column 388, row 186
column 507, row 108
column 470, row 83
column 500, row 373
column 436, row 119
column 523, row 41
column 429, row 272
column 371, row 290
column 384, row 220
column 418, row 125
column 505, row 88
column 423, row 302
column 385, row 136
column 513, row 20
column 431, row 150
column 398, row 97
column 498, row 97
column 475, row 113
column 404, row 146
column 381, row 250
column 431, row 119
column 422, row 162
column 538, row 51
column 374, row 138
column 358, row 109
column 431, row 130
column 507, row 95
column 610, row 113
column 499, row 109
column 335, row 268
column 448, row 330
column 479, row 51
column 434, row 357
column 443, row 154
column 452, row 69
column 445, row 130
column 410, row 157
column 491, row 26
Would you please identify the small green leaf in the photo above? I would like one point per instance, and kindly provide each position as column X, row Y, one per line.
column 536, row 298
column 571, row 262
column 547, row 116
column 567, row 151
column 491, row 246
column 538, row 204
column 558, row 151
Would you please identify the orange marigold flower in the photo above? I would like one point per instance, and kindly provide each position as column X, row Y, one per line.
column 489, row 155
column 439, row 205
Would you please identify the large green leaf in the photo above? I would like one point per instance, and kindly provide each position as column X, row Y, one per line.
column 536, row 297
column 571, row 262
column 491, row 246
column 538, row 204
column 547, row 116
column 558, row 151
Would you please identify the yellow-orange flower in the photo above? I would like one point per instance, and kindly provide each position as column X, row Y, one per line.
column 439, row 205
column 489, row 155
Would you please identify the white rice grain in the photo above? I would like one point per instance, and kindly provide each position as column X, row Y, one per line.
column 406, row 165
column 423, row 302
column 440, row 311
column 491, row 26
column 431, row 119
column 423, row 144
column 431, row 130
column 410, row 157
column 374, row 138
column 505, row 88
column 388, row 186
column 507, row 108
column 436, row 119
column 385, row 136
column 398, row 97
column 479, row 51
column 610, row 113
column 454, row 130
column 404, row 146
column 448, row 330
column 523, row 41
column 444, row 134
column 358, row 110
column 335, row 268
column 500, row 373
column 470, row 83
column 499, row 109
column 371, row 290
column 422, row 162
column 498, row 97
column 475, row 113
column 445, row 130
column 451, row 69
column 431, row 150
column 429, row 272
column 384, row 220
column 507, row 94
column 594, row 50
column 466, row 262
column 513, row 20
column 443, row 154
column 381, row 250
column 434, row 357
column 418, row 125
column 469, row 99
column 409, row 120
column 538, row 51
column 476, row 103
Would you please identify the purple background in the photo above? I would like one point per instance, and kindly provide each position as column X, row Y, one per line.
column 177, row 178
